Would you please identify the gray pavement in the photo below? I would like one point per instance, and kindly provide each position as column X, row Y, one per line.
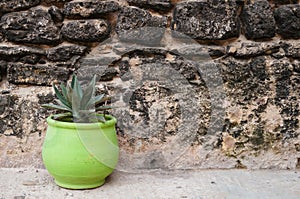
column 27, row 183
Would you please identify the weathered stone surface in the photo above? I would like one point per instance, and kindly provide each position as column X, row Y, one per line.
column 3, row 67
column 56, row 14
column 103, row 73
column 16, row 52
column 93, row 30
column 16, row 5
column 258, row 20
column 157, row 5
column 33, row 26
column 253, row 49
column 200, row 50
column 94, row 8
column 206, row 20
column 139, row 26
column 282, row 2
column 292, row 49
column 245, row 79
column 65, row 52
column 288, row 21
column 18, row 73
column 22, row 126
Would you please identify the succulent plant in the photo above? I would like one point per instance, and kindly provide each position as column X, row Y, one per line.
column 79, row 104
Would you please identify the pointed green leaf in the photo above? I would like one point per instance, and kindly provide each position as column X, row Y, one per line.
column 88, row 94
column 61, row 104
column 103, row 99
column 103, row 108
column 73, row 81
column 77, row 88
column 54, row 106
column 61, row 97
column 64, row 92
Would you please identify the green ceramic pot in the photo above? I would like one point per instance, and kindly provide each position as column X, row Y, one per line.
column 80, row 155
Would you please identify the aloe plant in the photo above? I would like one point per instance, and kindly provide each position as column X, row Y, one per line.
column 79, row 104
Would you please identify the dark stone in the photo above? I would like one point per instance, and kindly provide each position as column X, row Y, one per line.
column 104, row 73
column 124, row 68
column 157, row 5
column 291, row 49
column 18, row 73
column 245, row 80
column 65, row 52
column 15, row 52
column 200, row 51
column 93, row 30
column 56, row 14
column 212, row 20
column 139, row 26
column 16, row 5
column 288, row 21
column 296, row 66
column 94, row 8
column 281, row 70
column 108, row 74
column 7, row 103
column 282, row 2
column 58, row 3
column 3, row 68
column 258, row 20
column 30, row 59
column 254, row 49
column 2, row 37
column 34, row 26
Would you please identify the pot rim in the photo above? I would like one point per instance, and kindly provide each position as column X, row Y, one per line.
column 73, row 125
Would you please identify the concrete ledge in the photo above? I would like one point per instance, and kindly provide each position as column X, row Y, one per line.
column 29, row 183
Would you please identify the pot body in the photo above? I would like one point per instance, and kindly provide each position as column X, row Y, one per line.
column 80, row 155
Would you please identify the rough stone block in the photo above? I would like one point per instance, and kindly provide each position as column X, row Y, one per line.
column 89, row 8
column 16, row 5
column 92, row 30
column 254, row 49
column 206, row 20
column 288, row 21
column 18, row 73
column 56, row 14
column 282, row 2
column 33, row 26
column 65, row 52
column 292, row 49
column 258, row 20
column 157, row 5
column 139, row 26
column 16, row 52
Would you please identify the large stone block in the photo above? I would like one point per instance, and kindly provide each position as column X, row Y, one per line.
column 16, row 5
column 253, row 49
column 92, row 30
column 157, row 5
column 18, row 73
column 139, row 26
column 288, row 21
column 212, row 20
column 56, row 14
column 33, row 26
column 89, row 8
column 291, row 49
column 282, row 2
column 14, row 53
column 258, row 20
column 65, row 52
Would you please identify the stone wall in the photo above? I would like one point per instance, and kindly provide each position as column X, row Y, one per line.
column 199, row 84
